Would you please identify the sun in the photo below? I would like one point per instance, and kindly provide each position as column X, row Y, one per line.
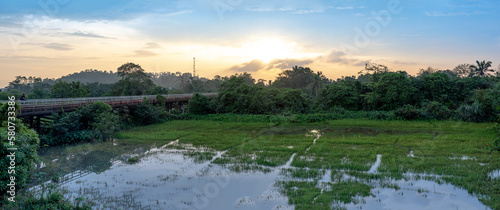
column 267, row 49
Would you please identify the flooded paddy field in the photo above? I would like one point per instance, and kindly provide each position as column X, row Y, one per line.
column 342, row 164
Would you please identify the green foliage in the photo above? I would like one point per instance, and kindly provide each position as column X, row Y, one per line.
column 99, row 89
column 147, row 114
column 434, row 87
column 301, row 78
column 409, row 112
column 392, row 91
column 438, row 111
column 11, row 92
column 161, row 100
column 69, row 90
column 294, row 118
column 88, row 123
column 481, row 69
column 40, row 91
column 344, row 94
column 26, row 155
column 134, row 81
column 489, row 100
column 471, row 113
column 49, row 198
column 199, row 105
column 235, row 96
column 496, row 143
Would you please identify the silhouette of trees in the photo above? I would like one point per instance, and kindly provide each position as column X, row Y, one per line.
column 482, row 68
column 63, row 89
column 134, row 81
column 463, row 70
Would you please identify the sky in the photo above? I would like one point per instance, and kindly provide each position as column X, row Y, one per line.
column 53, row 38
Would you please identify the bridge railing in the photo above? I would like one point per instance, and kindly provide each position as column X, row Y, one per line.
column 50, row 105
column 88, row 100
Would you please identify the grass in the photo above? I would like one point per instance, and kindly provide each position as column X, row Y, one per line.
column 457, row 151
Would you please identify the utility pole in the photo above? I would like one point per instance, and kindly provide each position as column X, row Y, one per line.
column 194, row 67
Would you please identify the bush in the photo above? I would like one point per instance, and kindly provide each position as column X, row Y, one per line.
column 25, row 156
column 496, row 143
column 147, row 114
column 436, row 110
column 471, row 113
column 381, row 115
column 199, row 105
column 87, row 123
column 409, row 112
column 49, row 198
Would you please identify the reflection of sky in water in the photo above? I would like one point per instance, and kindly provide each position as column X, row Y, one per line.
column 431, row 196
column 166, row 178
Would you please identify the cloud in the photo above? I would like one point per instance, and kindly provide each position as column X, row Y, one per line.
column 343, row 8
column 143, row 53
column 307, row 11
column 91, row 35
column 339, row 57
column 287, row 63
column 252, row 66
column 178, row 13
column 58, row 46
column 450, row 14
column 281, row 9
column 282, row 64
column 152, row 45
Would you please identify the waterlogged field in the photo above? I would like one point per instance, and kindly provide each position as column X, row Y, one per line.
column 347, row 164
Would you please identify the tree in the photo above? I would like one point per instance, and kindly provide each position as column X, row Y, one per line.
column 26, row 144
column 24, row 84
column 199, row 105
column 247, row 78
column 376, row 70
column 435, row 87
column 69, row 90
column 482, row 68
column 301, row 78
column 134, row 81
column 393, row 90
column 428, row 71
column 343, row 94
column 463, row 70
column 87, row 123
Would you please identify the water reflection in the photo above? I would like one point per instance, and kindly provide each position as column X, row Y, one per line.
column 180, row 176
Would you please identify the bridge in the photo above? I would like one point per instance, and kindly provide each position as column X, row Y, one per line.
column 43, row 107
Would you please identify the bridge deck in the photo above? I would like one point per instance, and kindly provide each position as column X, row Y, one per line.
column 49, row 106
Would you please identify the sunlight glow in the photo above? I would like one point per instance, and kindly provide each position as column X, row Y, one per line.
column 267, row 49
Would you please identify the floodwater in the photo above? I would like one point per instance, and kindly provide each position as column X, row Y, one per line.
column 170, row 177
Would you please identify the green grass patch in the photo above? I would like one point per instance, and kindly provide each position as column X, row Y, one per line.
column 458, row 151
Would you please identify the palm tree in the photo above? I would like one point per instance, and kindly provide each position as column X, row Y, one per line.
column 481, row 69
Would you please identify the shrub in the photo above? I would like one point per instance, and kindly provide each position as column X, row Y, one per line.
column 496, row 143
column 49, row 198
column 92, row 122
column 471, row 113
column 25, row 156
column 147, row 114
column 381, row 115
column 436, row 110
column 409, row 112
column 199, row 105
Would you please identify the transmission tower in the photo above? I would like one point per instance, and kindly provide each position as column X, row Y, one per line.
column 194, row 66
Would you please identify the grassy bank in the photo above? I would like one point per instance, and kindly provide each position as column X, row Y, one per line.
column 457, row 151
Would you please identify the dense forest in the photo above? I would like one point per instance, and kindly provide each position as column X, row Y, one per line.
column 468, row 92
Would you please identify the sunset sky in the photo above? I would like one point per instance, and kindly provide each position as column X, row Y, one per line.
column 52, row 38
